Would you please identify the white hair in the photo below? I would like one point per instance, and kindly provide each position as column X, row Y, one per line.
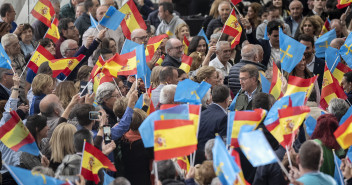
column 167, row 94
column 215, row 36
column 104, row 90
column 338, row 107
column 64, row 46
column 206, row 97
column 220, row 43
column 208, row 149
column 6, row 39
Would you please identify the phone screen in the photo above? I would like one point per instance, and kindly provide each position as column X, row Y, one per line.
column 107, row 133
column 94, row 115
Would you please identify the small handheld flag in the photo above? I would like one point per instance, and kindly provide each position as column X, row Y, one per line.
column 202, row 33
column 188, row 91
column 323, row 43
column 43, row 11
column 112, row 18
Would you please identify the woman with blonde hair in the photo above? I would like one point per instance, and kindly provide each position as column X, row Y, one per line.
column 254, row 10
column 309, row 26
column 154, row 77
column 207, row 74
column 65, row 91
column 42, row 85
column 61, row 144
column 181, row 31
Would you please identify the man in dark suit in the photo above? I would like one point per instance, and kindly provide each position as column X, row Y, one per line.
column 6, row 82
column 314, row 64
column 174, row 50
column 213, row 120
column 271, row 47
column 296, row 9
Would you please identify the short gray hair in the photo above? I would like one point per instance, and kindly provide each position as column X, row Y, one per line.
column 168, row 45
column 6, row 39
column 167, row 94
column 64, row 46
column 208, row 149
column 216, row 181
column 250, row 54
column 104, row 90
column 215, row 36
column 220, row 43
column 205, row 98
column 338, row 107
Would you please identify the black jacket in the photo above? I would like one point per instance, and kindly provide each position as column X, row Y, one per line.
column 319, row 66
column 169, row 61
column 234, row 81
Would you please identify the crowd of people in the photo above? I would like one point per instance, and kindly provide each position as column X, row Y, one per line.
column 57, row 111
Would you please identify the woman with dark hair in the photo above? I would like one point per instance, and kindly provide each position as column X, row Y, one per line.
column 324, row 135
column 27, row 43
column 49, row 45
column 254, row 10
column 198, row 44
column 301, row 70
column 37, row 126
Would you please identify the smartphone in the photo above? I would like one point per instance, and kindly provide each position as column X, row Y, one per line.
column 107, row 133
column 94, row 115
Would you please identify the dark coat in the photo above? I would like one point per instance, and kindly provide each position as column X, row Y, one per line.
column 234, row 81
column 213, row 24
column 82, row 23
column 319, row 66
column 3, row 94
column 169, row 61
column 264, row 43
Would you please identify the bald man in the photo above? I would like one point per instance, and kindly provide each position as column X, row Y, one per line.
column 296, row 9
column 337, row 43
column 140, row 36
column 249, row 55
column 174, row 50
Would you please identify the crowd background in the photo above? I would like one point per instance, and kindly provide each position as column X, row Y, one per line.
column 57, row 114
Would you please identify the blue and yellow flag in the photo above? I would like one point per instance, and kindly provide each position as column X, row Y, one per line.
column 188, row 91
column 337, row 173
column 5, row 61
column 233, row 103
column 147, row 127
column 291, row 52
column 346, row 116
column 256, row 148
column 202, row 33
column 112, row 18
column 265, row 84
column 346, row 51
column 332, row 58
column 23, row 176
column 225, row 166
column 266, row 33
column 310, row 125
column 323, row 42
column 143, row 71
column 128, row 46
column 93, row 22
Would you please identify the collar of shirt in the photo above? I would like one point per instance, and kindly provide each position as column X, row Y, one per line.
column 310, row 66
column 250, row 96
column 221, row 108
column 217, row 64
column 6, row 89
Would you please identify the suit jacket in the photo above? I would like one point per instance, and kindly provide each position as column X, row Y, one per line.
column 212, row 120
column 319, row 66
column 3, row 94
column 264, row 43
column 169, row 61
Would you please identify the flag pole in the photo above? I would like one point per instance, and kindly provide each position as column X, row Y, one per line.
column 12, row 173
column 224, row 26
column 239, row 13
column 288, row 156
column 283, row 168
column 239, row 179
column 11, row 66
column 194, row 154
column 117, row 86
column 84, row 146
column 156, row 172
column 28, row 11
column 333, row 151
column 334, row 62
column 80, row 94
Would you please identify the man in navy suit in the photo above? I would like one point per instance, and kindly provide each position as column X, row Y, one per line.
column 314, row 64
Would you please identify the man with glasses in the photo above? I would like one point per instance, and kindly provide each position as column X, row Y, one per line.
column 174, row 51
column 223, row 55
column 68, row 48
column 140, row 36
column 314, row 64
column 67, row 30
column 6, row 82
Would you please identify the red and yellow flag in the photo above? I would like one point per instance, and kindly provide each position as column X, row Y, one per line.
column 64, row 65
column 53, row 32
column 160, row 60
column 40, row 56
column 252, row 118
column 234, row 2
column 153, row 45
column 167, row 141
column 43, row 11
column 17, row 137
column 326, row 27
column 340, row 70
column 92, row 161
column 185, row 43
column 186, row 63
column 276, row 83
column 183, row 162
column 343, row 133
column 125, row 64
column 343, row 3
column 233, row 28
column 297, row 84
column 133, row 19
column 97, row 67
column 194, row 115
column 330, row 89
column 101, row 78
column 290, row 119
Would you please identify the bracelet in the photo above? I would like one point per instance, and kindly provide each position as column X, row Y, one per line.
column 98, row 39
column 16, row 89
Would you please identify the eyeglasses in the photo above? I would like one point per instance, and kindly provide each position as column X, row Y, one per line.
column 178, row 47
column 73, row 49
column 143, row 37
column 244, row 79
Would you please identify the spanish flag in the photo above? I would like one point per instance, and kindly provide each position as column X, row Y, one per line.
column 297, row 84
column 185, row 43
column 64, row 65
column 326, row 27
column 276, row 83
column 153, row 45
column 343, row 133
column 101, row 78
column 125, row 64
column 151, row 107
column 53, row 31
column 97, row 67
column 92, row 161
column 186, row 63
column 233, row 28
column 17, row 137
column 167, row 141
column 133, row 19
column 290, row 119
column 241, row 118
column 183, row 162
column 40, row 55
column 234, row 2
column 160, row 60
column 330, row 89
column 340, row 70
column 43, row 11
column 343, row 3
